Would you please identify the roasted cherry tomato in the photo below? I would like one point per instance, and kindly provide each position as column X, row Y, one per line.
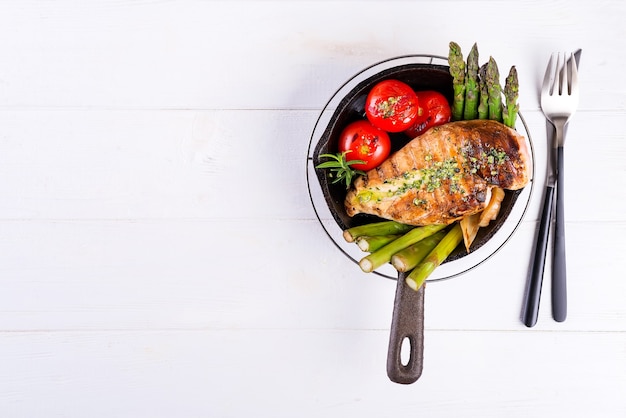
column 391, row 105
column 365, row 142
column 433, row 110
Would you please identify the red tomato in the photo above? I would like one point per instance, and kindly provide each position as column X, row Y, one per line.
column 365, row 142
column 433, row 110
column 391, row 105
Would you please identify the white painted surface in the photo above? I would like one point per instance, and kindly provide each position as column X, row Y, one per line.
column 159, row 256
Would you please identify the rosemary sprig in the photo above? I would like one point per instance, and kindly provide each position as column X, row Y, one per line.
column 340, row 168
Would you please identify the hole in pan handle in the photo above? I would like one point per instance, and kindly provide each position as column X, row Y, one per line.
column 407, row 327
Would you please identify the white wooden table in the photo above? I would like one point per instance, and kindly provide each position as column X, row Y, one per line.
column 159, row 255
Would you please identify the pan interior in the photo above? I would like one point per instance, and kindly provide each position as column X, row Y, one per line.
column 346, row 106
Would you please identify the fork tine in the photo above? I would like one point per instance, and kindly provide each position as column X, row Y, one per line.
column 574, row 76
column 564, row 87
column 547, row 79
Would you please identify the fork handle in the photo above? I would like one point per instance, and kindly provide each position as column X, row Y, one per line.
column 531, row 311
column 559, row 285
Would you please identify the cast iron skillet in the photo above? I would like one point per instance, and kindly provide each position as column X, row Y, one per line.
column 422, row 72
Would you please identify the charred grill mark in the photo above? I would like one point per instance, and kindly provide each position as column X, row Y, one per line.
column 394, row 168
column 506, row 177
column 413, row 158
column 380, row 171
column 365, row 179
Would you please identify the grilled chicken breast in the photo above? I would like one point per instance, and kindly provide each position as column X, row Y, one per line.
column 443, row 175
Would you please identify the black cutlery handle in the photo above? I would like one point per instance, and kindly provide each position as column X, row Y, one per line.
column 531, row 311
column 559, row 285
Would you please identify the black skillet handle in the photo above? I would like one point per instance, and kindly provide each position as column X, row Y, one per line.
column 407, row 327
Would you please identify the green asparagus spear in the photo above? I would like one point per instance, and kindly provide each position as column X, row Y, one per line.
column 405, row 260
column 483, row 105
column 472, row 92
column 376, row 228
column 495, row 90
column 419, row 274
column 372, row 243
column 383, row 255
column 511, row 88
column 457, row 71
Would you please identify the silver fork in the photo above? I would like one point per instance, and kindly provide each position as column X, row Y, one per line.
column 559, row 100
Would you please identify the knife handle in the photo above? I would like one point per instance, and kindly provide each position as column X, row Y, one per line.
column 531, row 311
column 559, row 284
